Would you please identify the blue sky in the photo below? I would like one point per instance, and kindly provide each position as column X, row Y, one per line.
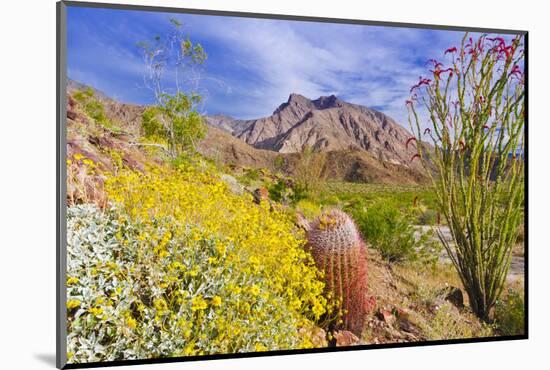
column 254, row 64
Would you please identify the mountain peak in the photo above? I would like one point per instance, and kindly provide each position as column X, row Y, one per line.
column 330, row 101
column 296, row 101
column 297, row 98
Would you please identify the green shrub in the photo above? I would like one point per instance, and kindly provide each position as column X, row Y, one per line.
column 278, row 191
column 94, row 108
column 309, row 209
column 510, row 313
column 388, row 230
column 427, row 217
column 249, row 176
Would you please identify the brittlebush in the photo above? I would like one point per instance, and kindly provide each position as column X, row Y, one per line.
column 188, row 268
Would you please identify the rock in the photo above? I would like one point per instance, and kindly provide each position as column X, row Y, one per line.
column 260, row 195
column 407, row 325
column 232, row 183
column 401, row 313
column 386, row 316
column 70, row 101
column 325, row 124
column 346, row 338
column 370, row 303
column 133, row 163
column 71, row 114
column 317, row 336
column 455, row 297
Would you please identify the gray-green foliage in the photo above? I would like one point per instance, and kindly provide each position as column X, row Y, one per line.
column 145, row 290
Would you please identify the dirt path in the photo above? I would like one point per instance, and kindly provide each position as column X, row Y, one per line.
column 517, row 266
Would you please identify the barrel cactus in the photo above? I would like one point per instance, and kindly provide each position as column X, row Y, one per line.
column 339, row 251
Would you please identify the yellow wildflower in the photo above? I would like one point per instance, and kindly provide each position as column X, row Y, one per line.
column 160, row 305
column 260, row 347
column 73, row 303
column 198, row 303
column 96, row 311
column 131, row 322
column 254, row 290
column 216, row 300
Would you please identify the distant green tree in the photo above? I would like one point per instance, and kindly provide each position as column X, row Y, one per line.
column 174, row 117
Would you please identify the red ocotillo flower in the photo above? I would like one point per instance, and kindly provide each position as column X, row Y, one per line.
column 508, row 51
column 479, row 44
column 421, row 81
column 437, row 72
column 409, row 102
column 516, row 71
column 499, row 40
column 412, row 138
column 450, row 50
column 435, row 63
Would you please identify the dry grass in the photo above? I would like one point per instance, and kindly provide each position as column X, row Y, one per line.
column 418, row 294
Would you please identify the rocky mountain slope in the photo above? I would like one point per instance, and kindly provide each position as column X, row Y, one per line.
column 225, row 140
column 324, row 124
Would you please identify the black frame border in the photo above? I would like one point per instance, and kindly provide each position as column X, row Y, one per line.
column 61, row 172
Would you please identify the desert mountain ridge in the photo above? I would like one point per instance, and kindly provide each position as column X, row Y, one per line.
column 327, row 124
column 231, row 141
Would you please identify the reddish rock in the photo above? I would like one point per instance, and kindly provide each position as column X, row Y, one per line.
column 346, row 338
column 260, row 195
column 386, row 316
column 71, row 114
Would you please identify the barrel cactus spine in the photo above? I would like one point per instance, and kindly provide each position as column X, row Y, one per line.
column 339, row 251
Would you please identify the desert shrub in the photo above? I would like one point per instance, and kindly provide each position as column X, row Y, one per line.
column 447, row 323
column 426, row 216
column 180, row 252
column 151, row 288
column 279, row 162
column 309, row 209
column 309, row 172
column 388, row 230
column 510, row 313
column 249, row 176
column 299, row 193
column 474, row 98
column 175, row 119
column 278, row 191
column 174, row 116
column 94, row 108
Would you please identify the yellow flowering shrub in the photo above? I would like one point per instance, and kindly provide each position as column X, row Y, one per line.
column 181, row 266
column 263, row 234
